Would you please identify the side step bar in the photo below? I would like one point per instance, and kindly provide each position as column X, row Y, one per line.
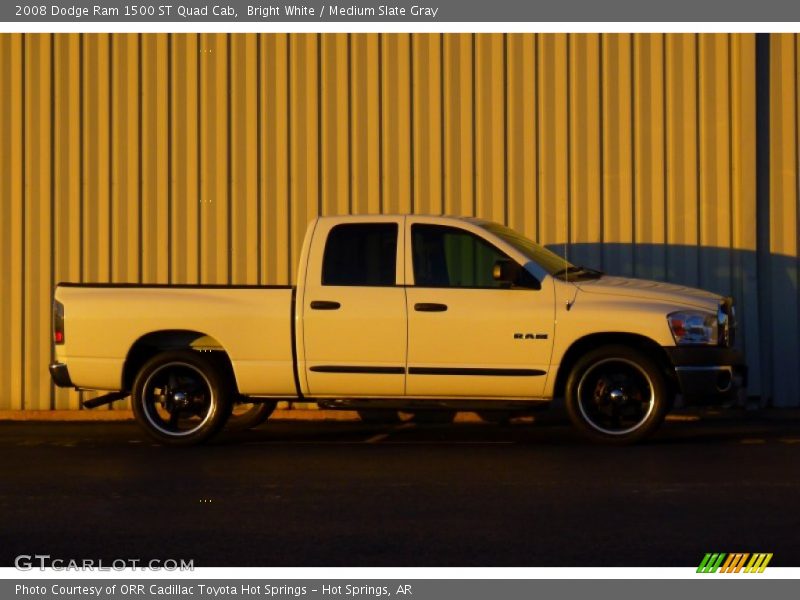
column 105, row 399
column 432, row 404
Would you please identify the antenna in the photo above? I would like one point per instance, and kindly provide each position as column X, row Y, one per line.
column 566, row 243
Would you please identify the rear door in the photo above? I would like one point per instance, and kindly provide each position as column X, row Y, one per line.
column 470, row 335
column 354, row 309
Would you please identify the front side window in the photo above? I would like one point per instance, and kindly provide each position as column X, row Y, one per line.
column 451, row 257
column 361, row 254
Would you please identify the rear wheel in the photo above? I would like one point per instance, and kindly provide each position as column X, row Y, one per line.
column 615, row 394
column 181, row 398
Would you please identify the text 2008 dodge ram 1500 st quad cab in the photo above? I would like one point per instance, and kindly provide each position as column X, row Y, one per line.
column 414, row 313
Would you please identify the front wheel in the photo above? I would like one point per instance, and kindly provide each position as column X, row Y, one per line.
column 614, row 394
column 181, row 398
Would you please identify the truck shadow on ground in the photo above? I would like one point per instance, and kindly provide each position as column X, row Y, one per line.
column 555, row 431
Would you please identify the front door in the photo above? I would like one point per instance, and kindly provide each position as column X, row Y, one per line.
column 470, row 335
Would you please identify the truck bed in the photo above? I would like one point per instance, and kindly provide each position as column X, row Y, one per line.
column 253, row 324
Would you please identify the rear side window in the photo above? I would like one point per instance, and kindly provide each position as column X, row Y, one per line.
column 362, row 254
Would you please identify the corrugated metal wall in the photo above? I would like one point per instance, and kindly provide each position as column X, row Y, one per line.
column 201, row 158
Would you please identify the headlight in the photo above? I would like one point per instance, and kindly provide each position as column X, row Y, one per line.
column 693, row 327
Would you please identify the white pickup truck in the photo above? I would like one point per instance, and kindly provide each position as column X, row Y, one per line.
column 422, row 314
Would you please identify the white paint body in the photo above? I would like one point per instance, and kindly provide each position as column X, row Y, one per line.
column 375, row 327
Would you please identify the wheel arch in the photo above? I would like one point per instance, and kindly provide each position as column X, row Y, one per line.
column 638, row 342
column 156, row 342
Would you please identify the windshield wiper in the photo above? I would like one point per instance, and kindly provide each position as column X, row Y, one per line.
column 580, row 271
column 566, row 270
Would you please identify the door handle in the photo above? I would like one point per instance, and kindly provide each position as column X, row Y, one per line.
column 430, row 307
column 325, row 305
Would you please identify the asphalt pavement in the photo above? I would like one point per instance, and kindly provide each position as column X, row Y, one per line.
column 339, row 493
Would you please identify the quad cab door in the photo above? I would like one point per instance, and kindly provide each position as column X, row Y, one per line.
column 354, row 309
column 469, row 334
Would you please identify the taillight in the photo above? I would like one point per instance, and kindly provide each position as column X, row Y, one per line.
column 58, row 322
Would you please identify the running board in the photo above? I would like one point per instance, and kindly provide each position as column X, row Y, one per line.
column 105, row 399
column 431, row 404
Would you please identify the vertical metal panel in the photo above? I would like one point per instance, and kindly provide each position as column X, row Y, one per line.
column 715, row 161
column 215, row 115
column 154, row 161
column 459, row 131
column 490, row 126
column 184, row 158
column 521, row 128
column 682, row 158
column 585, row 170
column 37, row 221
column 365, row 127
column 617, row 153
column 783, row 219
column 244, row 190
column 124, row 122
column 304, row 128
column 273, row 93
column 397, row 124
column 553, row 69
column 648, row 156
column 335, row 116
column 427, row 121
column 202, row 157
column 12, row 205
column 97, row 117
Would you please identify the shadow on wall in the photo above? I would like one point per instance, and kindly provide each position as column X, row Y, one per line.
column 764, row 287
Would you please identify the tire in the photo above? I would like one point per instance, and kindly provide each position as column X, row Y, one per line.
column 616, row 395
column 181, row 398
column 247, row 415
column 379, row 416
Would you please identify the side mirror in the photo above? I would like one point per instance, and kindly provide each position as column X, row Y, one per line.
column 506, row 271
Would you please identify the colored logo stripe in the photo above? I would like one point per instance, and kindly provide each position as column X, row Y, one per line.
column 758, row 563
column 734, row 562
column 711, row 563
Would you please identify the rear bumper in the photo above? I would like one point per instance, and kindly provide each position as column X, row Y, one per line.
column 60, row 375
column 708, row 375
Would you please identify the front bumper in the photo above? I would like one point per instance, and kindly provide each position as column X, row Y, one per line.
column 708, row 375
column 60, row 375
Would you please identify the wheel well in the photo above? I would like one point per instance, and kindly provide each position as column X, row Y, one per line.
column 147, row 346
column 637, row 342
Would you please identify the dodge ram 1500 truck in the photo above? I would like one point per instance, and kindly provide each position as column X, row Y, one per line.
column 423, row 314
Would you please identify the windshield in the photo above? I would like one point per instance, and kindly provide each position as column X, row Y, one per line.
column 555, row 265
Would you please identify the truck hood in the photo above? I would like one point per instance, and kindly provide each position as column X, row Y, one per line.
column 651, row 290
